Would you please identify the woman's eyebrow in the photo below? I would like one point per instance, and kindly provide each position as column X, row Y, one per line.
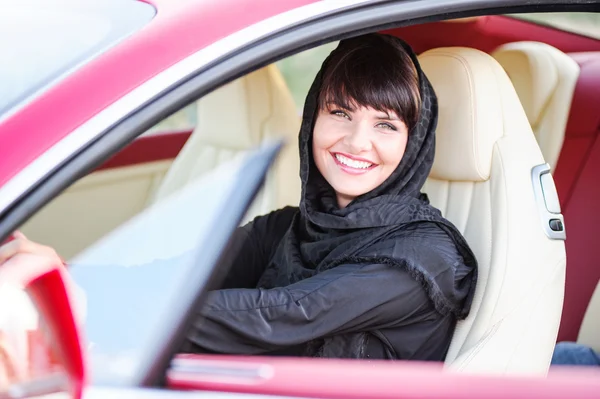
column 334, row 104
column 388, row 116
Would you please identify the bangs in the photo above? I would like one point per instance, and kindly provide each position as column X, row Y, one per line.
column 377, row 74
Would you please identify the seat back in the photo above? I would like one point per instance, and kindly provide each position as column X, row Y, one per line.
column 236, row 118
column 545, row 79
column 483, row 181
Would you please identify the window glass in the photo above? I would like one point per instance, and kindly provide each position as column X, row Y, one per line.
column 117, row 233
column 149, row 265
column 49, row 38
column 123, row 186
column 587, row 24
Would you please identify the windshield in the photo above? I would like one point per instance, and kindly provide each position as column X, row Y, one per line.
column 142, row 278
column 44, row 39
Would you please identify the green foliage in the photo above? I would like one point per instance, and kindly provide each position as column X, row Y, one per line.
column 300, row 69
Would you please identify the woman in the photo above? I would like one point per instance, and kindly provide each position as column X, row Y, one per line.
column 365, row 267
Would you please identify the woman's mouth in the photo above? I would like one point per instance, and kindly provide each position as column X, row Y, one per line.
column 352, row 166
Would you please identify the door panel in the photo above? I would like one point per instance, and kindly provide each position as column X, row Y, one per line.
column 319, row 378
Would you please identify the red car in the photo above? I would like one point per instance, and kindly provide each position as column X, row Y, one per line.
column 120, row 120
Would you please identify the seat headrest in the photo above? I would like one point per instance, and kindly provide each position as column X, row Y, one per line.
column 231, row 117
column 532, row 68
column 477, row 106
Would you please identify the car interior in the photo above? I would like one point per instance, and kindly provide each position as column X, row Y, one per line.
column 498, row 79
column 544, row 79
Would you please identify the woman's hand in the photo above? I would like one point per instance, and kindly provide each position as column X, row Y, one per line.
column 21, row 262
column 22, row 245
column 29, row 260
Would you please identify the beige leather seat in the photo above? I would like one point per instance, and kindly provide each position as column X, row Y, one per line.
column 236, row 118
column 545, row 79
column 485, row 180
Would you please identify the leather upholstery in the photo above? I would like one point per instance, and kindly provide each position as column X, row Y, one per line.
column 577, row 182
column 481, row 180
column 236, row 118
column 545, row 79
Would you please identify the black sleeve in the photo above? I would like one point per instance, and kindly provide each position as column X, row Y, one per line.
column 254, row 244
column 345, row 299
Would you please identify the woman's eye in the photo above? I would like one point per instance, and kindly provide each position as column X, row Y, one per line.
column 338, row 112
column 387, row 126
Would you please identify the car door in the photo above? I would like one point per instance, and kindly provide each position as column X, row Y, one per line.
column 135, row 291
column 143, row 281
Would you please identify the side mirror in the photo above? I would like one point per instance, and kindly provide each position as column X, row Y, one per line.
column 40, row 342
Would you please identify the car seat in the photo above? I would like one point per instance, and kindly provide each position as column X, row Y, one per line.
column 545, row 79
column 234, row 119
column 489, row 178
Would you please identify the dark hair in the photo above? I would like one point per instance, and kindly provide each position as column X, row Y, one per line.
column 372, row 71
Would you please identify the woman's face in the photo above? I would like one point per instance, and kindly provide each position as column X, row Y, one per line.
column 357, row 150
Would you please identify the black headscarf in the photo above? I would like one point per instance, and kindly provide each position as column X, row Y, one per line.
column 372, row 227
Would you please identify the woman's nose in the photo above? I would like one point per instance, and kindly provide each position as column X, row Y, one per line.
column 358, row 139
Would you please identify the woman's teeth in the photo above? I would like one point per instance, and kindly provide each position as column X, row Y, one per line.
column 353, row 163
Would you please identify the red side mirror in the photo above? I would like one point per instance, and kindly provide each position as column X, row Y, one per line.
column 40, row 342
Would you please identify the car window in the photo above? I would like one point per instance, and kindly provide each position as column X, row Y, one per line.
column 115, row 191
column 586, row 24
column 51, row 37
column 140, row 279
column 236, row 117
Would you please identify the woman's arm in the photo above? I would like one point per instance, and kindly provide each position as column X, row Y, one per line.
column 254, row 244
column 19, row 244
column 345, row 299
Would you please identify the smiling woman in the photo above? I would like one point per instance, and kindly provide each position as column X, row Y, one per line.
column 366, row 110
column 363, row 268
